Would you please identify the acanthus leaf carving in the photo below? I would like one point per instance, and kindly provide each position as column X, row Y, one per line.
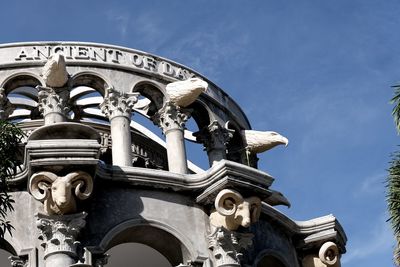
column 214, row 136
column 58, row 234
column 53, row 100
column 118, row 103
column 171, row 117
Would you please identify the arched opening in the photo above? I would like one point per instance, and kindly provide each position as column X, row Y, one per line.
column 270, row 259
column 6, row 251
column 155, row 98
column 89, row 79
column 159, row 237
column 135, row 255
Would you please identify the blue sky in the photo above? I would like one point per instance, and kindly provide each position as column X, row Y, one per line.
column 318, row 72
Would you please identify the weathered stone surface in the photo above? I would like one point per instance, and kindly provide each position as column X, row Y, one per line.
column 184, row 93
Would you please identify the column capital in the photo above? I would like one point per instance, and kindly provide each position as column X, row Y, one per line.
column 58, row 233
column 6, row 108
column 53, row 100
column 118, row 103
column 227, row 246
column 214, row 136
column 171, row 117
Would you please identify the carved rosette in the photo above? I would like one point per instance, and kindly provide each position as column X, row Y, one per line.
column 117, row 103
column 58, row 234
column 6, row 108
column 214, row 136
column 53, row 100
column 171, row 117
column 227, row 246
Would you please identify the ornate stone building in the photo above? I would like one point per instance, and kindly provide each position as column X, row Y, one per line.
column 91, row 177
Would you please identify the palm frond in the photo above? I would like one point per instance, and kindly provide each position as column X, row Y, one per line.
column 396, row 109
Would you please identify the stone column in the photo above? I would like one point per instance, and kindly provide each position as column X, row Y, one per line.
column 58, row 235
column 53, row 104
column 117, row 106
column 214, row 138
column 171, row 119
column 6, row 108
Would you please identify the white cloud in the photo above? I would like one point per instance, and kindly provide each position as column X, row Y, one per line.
column 371, row 185
column 121, row 21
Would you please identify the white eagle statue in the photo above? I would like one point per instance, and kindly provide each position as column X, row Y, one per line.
column 260, row 141
column 184, row 93
column 54, row 71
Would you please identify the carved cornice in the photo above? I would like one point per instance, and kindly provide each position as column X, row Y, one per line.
column 6, row 108
column 117, row 103
column 58, row 234
column 171, row 117
column 53, row 100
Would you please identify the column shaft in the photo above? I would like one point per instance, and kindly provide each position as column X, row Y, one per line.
column 176, row 151
column 121, row 141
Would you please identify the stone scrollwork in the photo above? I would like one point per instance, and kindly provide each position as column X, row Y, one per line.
column 58, row 192
column 58, row 234
column 6, row 108
column 232, row 210
column 118, row 103
column 328, row 256
column 17, row 261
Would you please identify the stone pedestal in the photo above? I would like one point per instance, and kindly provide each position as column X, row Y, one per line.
column 117, row 106
column 53, row 104
column 171, row 119
column 58, row 235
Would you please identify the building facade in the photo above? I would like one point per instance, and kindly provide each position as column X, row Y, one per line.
column 92, row 176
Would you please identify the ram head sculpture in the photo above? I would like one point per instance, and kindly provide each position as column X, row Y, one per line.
column 59, row 192
column 184, row 93
column 232, row 210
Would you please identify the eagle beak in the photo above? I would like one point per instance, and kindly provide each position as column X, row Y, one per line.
column 284, row 141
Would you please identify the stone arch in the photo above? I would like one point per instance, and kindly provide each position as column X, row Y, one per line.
column 7, row 246
column 90, row 79
column 153, row 92
column 167, row 240
column 270, row 258
column 21, row 79
column 201, row 113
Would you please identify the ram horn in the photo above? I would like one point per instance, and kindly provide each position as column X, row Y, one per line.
column 40, row 183
column 227, row 201
column 255, row 208
column 79, row 180
column 329, row 253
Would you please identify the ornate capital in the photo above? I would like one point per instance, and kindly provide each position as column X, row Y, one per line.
column 117, row 103
column 328, row 256
column 227, row 246
column 53, row 100
column 58, row 234
column 59, row 192
column 171, row 117
column 6, row 108
column 214, row 136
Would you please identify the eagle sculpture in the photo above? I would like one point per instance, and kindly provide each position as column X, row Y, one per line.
column 277, row 198
column 54, row 71
column 258, row 141
column 184, row 93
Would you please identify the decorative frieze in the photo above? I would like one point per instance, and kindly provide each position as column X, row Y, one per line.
column 58, row 234
column 6, row 108
column 59, row 192
column 118, row 103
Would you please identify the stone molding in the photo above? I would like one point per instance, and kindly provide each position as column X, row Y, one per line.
column 6, row 108
column 58, row 234
column 117, row 103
